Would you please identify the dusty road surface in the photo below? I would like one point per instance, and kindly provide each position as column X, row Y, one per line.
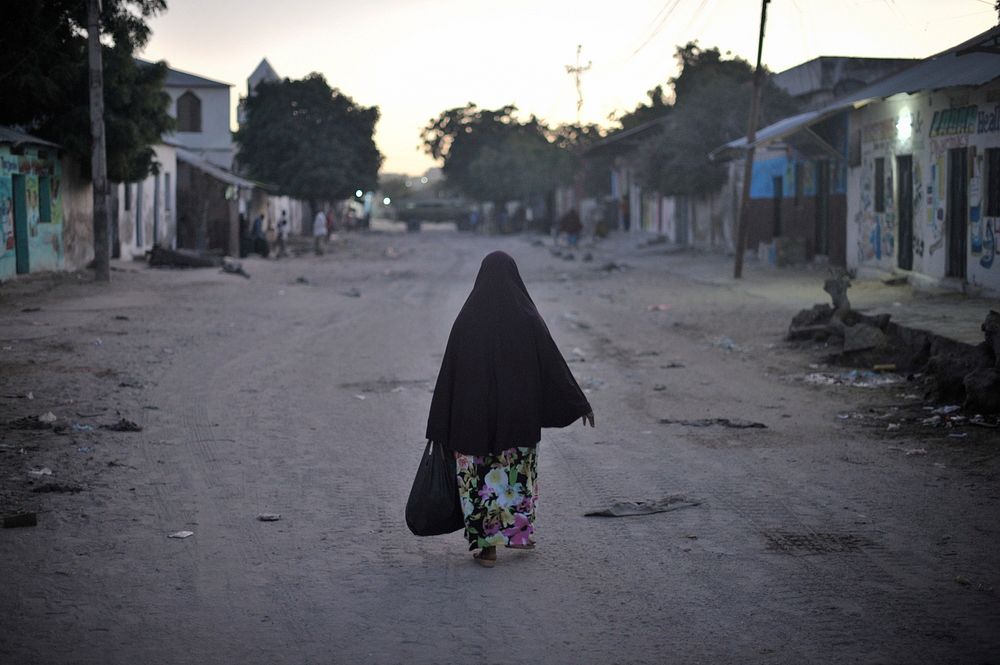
column 303, row 391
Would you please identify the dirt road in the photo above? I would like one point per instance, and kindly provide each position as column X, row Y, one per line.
column 304, row 391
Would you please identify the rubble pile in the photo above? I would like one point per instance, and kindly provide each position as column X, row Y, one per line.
column 952, row 371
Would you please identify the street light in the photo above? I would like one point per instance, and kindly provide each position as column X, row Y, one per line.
column 358, row 193
column 386, row 201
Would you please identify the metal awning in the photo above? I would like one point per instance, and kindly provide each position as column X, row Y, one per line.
column 197, row 161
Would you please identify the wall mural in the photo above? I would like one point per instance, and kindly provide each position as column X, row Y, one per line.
column 6, row 217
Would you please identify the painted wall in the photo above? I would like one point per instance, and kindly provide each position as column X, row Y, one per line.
column 44, row 238
column 926, row 126
column 147, row 214
column 215, row 140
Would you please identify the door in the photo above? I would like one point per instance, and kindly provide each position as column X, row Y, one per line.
column 822, row 207
column 958, row 211
column 904, row 201
column 779, row 188
column 20, row 224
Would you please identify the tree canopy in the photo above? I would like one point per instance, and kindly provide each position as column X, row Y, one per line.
column 44, row 76
column 490, row 155
column 309, row 140
column 711, row 105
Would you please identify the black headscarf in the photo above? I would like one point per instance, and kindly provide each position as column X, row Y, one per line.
column 502, row 378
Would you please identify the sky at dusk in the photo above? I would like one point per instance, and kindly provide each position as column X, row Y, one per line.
column 416, row 58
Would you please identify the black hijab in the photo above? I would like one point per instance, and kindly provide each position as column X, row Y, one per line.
column 502, row 378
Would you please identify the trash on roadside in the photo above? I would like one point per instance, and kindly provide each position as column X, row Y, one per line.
column 121, row 317
column 84, row 449
column 910, row 452
column 233, row 267
column 181, row 534
column 269, row 517
column 857, row 378
column 672, row 365
column 892, row 427
column 662, row 307
column 301, row 280
column 123, row 425
column 361, row 397
column 44, row 471
column 659, row 387
column 634, row 508
column 884, row 367
column 612, row 266
column 734, row 423
column 31, row 309
column 964, row 581
column 945, row 410
column 577, row 351
column 352, row 293
column 20, row 520
column 29, row 422
column 57, row 488
column 725, row 343
column 48, row 418
column 958, row 435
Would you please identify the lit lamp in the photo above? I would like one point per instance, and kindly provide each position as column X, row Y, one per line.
column 904, row 126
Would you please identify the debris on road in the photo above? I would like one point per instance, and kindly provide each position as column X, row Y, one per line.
column 352, row 293
column 20, row 520
column 662, row 307
column 123, row 425
column 57, row 488
column 44, row 471
column 302, row 280
column 48, row 418
column 636, row 508
column 734, row 423
column 181, row 534
column 614, row 266
column 269, row 517
column 858, row 378
column 161, row 257
column 233, row 267
column 945, row 410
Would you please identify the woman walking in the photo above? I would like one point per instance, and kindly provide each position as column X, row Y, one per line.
column 502, row 380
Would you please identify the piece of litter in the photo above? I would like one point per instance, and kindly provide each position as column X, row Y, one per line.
column 945, row 410
column 81, row 427
column 577, row 351
column 915, row 451
column 269, row 517
column 123, row 425
column 44, row 471
column 662, row 307
column 634, row 508
column 30, row 396
column 893, row 427
column 181, row 534
column 397, row 389
column 48, row 417
column 958, row 435
column 735, row 423
column 659, row 387
column 361, row 397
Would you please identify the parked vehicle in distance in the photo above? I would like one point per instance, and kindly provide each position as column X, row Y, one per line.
column 416, row 212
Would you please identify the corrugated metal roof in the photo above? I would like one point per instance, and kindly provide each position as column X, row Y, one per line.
column 217, row 172
column 947, row 69
column 179, row 79
column 14, row 137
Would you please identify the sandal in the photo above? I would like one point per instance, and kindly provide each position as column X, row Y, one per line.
column 529, row 546
column 486, row 557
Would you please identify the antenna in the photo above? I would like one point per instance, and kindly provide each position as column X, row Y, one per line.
column 576, row 71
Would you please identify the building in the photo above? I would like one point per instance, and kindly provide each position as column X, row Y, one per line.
column 921, row 171
column 143, row 213
column 201, row 107
column 819, row 81
column 46, row 207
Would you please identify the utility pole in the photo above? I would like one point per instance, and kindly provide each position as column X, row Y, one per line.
column 98, row 157
column 575, row 71
column 758, row 75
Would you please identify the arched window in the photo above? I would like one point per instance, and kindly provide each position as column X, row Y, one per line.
column 188, row 112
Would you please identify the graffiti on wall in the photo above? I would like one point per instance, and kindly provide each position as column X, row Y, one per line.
column 6, row 217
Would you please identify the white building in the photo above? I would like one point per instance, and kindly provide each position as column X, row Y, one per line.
column 201, row 108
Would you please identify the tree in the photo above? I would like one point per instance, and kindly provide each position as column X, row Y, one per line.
column 712, row 100
column 43, row 72
column 489, row 155
column 309, row 140
column 657, row 108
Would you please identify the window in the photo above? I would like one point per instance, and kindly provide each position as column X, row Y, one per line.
column 879, row 184
column 188, row 113
column 45, row 199
column 166, row 191
column 992, row 182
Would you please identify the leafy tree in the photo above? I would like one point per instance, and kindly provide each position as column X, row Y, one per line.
column 311, row 141
column 489, row 155
column 44, row 76
column 657, row 108
column 712, row 101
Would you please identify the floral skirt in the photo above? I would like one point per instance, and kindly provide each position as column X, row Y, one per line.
column 498, row 494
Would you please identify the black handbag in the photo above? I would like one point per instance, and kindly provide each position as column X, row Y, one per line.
column 434, row 507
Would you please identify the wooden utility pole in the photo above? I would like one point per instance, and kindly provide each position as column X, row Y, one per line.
column 758, row 76
column 98, row 157
column 576, row 71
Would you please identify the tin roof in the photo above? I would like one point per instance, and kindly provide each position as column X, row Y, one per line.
column 14, row 137
column 971, row 63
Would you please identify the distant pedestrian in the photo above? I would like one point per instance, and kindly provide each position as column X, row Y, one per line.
column 257, row 235
column 571, row 225
column 319, row 233
column 502, row 379
column 282, row 235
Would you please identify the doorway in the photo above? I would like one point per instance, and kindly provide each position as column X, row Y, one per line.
column 904, row 200
column 958, row 211
column 822, row 207
column 779, row 188
column 21, row 262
